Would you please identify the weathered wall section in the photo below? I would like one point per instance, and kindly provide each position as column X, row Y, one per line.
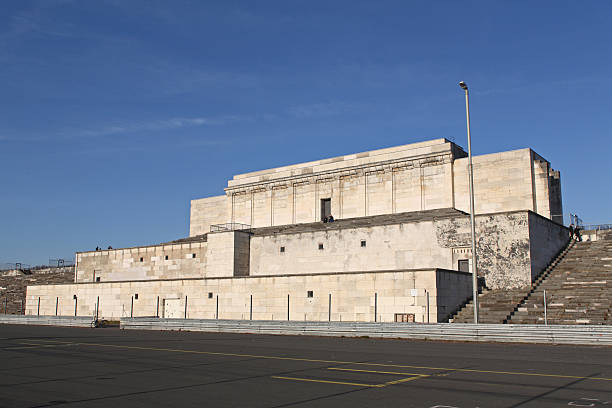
column 152, row 262
column 352, row 297
column 502, row 244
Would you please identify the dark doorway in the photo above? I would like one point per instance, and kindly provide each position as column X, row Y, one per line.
column 325, row 208
column 464, row 265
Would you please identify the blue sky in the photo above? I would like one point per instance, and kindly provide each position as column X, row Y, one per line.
column 115, row 114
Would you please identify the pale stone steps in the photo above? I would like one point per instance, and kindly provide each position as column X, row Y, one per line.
column 578, row 290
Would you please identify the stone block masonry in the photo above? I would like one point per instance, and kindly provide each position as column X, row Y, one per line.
column 416, row 177
column 357, row 296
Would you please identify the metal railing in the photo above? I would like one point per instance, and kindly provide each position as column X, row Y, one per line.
column 506, row 333
column 80, row 321
column 229, row 226
column 597, row 227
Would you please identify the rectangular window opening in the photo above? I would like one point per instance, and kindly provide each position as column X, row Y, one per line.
column 320, row 246
column 210, row 295
column 363, row 243
column 97, row 279
column 193, row 255
column 310, row 293
column 463, row 265
column 166, row 257
column 325, row 208
column 141, row 259
column 282, row 249
column 136, row 296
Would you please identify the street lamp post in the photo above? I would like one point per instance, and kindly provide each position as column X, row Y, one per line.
column 464, row 86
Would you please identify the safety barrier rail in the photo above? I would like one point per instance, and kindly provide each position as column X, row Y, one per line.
column 80, row 321
column 507, row 333
column 597, row 227
column 230, row 226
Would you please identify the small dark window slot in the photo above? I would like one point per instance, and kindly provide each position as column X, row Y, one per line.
column 310, row 293
column 282, row 249
column 210, row 295
column 166, row 257
column 320, row 246
column 193, row 255
column 141, row 259
column 136, row 296
column 363, row 243
column 97, row 279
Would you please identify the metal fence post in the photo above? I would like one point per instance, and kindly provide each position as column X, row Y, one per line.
column 97, row 307
column 5, row 305
column 217, row 312
column 56, row 303
column 545, row 311
column 157, row 309
column 427, row 294
column 329, row 312
column 132, row 308
column 287, row 306
column 185, row 306
column 38, row 311
column 251, row 312
column 375, row 306
column 76, row 299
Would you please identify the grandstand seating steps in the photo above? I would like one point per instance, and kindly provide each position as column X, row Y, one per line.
column 578, row 285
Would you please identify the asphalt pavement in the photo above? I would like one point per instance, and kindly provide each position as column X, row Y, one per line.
column 54, row 366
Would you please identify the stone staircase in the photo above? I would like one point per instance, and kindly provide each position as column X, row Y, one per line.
column 13, row 285
column 578, row 289
column 495, row 305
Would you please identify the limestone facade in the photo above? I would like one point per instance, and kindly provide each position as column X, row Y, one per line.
column 429, row 295
column 415, row 177
column 401, row 236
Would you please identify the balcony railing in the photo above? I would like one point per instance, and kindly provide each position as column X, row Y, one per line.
column 230, row 226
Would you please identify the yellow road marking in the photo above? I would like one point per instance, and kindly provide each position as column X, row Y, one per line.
column 329, row 382
column 371, row 371
column 403, row 380
column 214, row 353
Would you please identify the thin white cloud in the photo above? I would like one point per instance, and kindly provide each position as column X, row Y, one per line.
column 322, row 109
column 154, row 126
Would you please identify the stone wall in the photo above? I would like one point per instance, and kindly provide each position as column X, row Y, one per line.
column 13, row 285
column 352, row 297
column 417, row 177
column 170, row 261
column 453, row 288
column 207, row 211
column 502, row 244
column 511, row 249
column 388, row 247
column 502, row 182
column 546, row 239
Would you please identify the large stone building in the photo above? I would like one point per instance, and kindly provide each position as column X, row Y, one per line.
column 399, row 248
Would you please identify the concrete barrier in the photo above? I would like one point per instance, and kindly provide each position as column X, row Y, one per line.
column 506, row 333
column 80, row 321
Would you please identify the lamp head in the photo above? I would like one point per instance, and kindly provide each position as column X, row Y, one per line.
column 463, row 85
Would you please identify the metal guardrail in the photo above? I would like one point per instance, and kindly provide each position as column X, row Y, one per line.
column 230, row 226
column 80, row 321
column 596, row 227
column 506, row 333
